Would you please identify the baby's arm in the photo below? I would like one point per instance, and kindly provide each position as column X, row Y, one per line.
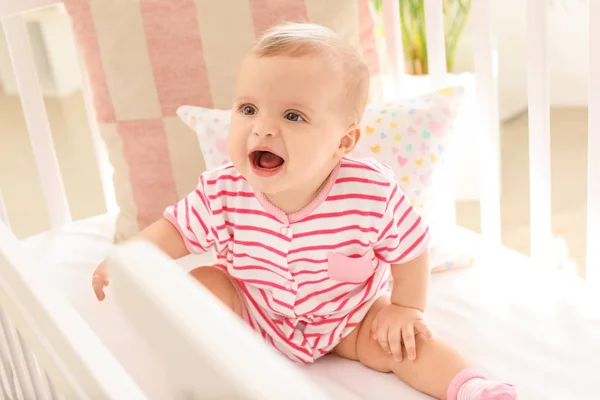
column 162, row 234
column 166, row 237
column 411, row 281
column 186, row 227
column 403, row 244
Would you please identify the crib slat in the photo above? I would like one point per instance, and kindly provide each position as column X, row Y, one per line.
column 6, row 358
column 104, row 167
column 539, row 128
column 38, row 385
column 8, row 8
column 3, row 213
column 21, row 54
column 489, row 140
column 16, row 355
column 51, row 389
column 593, row 194
column 437, row 68
column 436, row 42
column 393, row 40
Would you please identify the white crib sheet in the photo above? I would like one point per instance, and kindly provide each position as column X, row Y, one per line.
column 538, row 329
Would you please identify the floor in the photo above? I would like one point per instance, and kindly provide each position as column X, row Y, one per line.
column 20, row 185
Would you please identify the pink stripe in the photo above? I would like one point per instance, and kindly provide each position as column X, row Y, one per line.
column 399, row 203
column 229, row 193
column 266, row 300
column 244, row 211
column 366, row 28
column 308, row 260
column 260, row 245
column 359, row 166
column 319, row 292
column 392, row 197
column 337, row 230
column 385, row 231
column 338, row 298
column 225, row 178
column 254, row 268
column 356, row 196
column 263, row 260
column 362, row 180
column 323, row 304
column 344, row 214
column 146, row 151
column 268, row 321
column 329, row 246
column 281, row 303
column 267, row 283
column 175, row 51
column 266, row 13
column 189, row 244
column 342, row 304
column 202, row 193
column 87, row 38
column 312, row 282
column 254, row 229
column 401, row 241
column 411, row 248
column 309, row 272
column 411, row 229
column 195, row 212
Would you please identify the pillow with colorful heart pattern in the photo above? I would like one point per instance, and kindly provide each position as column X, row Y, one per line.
column 410, row 135
column 413, row 136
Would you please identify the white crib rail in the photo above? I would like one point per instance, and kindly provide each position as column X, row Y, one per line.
column 436, row 42
column 539, row 118
column 489, row 140
column 66, row 348
column 28, row 83
column 539, row 129
column 593, row 198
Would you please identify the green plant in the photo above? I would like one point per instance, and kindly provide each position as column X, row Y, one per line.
column 412, row 23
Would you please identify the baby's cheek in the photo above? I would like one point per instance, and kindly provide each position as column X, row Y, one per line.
column 236, row 148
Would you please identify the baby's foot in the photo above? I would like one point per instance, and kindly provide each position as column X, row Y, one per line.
column 470, row 384
column 485, row 389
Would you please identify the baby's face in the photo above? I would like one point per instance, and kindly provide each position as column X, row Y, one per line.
column 287, row 123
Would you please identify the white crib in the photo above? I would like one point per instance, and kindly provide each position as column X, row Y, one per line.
column 544, row 332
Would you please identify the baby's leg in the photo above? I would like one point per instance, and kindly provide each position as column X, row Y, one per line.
column 220, row 285
column 438, row 371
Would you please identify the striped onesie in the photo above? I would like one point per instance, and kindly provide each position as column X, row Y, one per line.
column 305, row 280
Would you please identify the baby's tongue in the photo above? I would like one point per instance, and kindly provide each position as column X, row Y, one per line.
column 269, row 160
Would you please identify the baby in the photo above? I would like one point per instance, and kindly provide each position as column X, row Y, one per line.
column 305, row 237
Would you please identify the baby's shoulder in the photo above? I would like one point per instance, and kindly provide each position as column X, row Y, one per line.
column 367, row 175
column 223, row 179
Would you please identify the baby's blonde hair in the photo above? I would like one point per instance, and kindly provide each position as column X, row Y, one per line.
column 302, row 39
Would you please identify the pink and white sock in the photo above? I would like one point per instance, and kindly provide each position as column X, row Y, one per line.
column 472, row 385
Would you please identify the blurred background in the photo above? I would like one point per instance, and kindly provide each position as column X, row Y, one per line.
column 58, row 67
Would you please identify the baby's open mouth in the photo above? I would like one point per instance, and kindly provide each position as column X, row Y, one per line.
column 266, row 160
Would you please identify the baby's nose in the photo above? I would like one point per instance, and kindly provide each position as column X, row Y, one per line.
column 263, row 132
column 265, row 125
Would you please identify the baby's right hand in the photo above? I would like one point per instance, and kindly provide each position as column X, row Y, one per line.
column 100, row 281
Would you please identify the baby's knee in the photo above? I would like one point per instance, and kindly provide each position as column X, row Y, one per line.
column 372, row 355
column 220, row 285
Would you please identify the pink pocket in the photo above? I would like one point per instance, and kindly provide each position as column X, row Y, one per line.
column 350, row 269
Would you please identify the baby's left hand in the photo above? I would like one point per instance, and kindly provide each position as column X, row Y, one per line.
column 395, row 325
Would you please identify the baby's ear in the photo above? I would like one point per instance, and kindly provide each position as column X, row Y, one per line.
column 350, row 139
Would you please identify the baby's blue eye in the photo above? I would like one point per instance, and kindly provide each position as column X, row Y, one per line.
column 292, row 116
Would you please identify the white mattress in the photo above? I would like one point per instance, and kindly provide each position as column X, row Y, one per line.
column 536, row 328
